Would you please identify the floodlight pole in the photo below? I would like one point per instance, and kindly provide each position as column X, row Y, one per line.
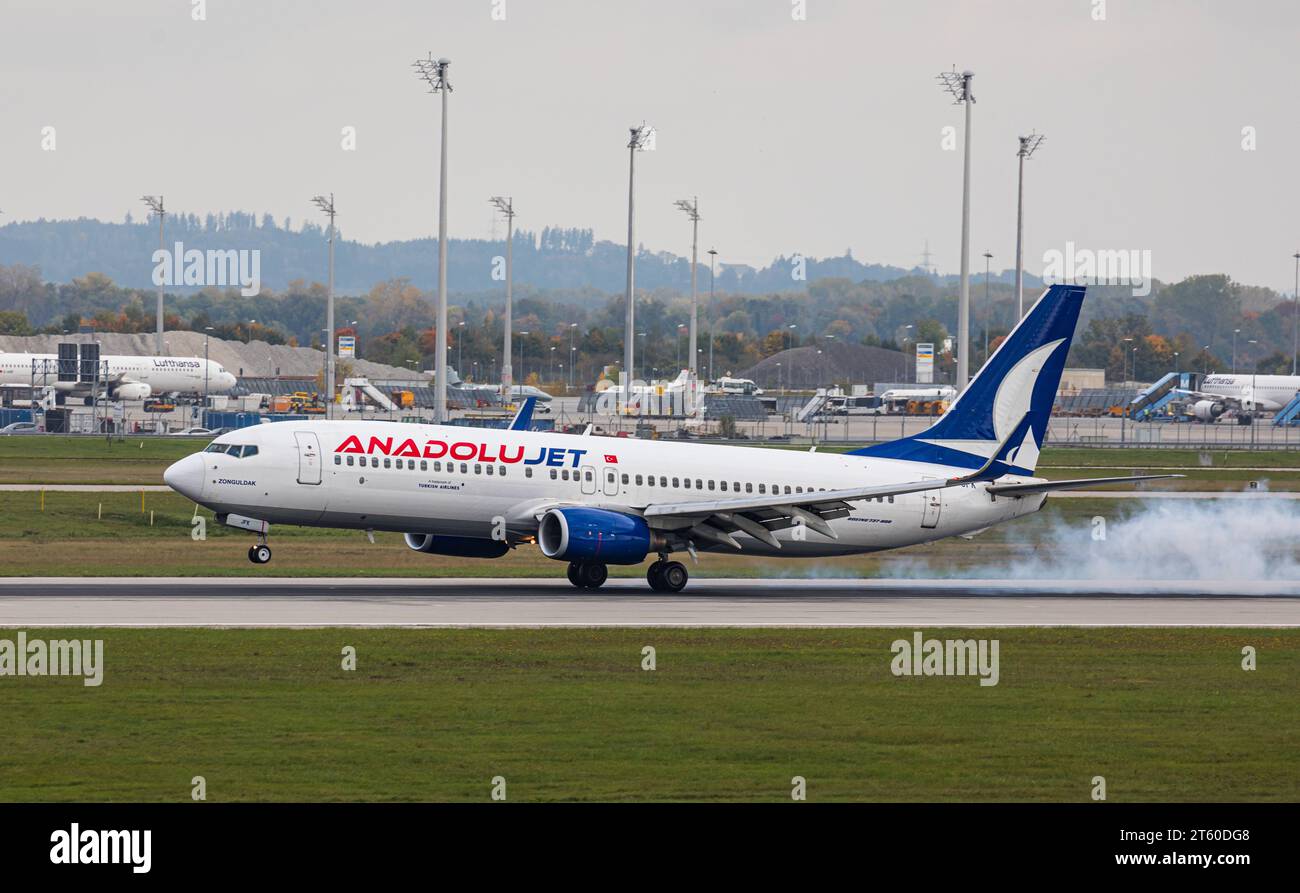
column 692, row 209
column 1027, row 146
column 434, row 72
column 327, row 205
column 155, row 203
column 507, row 207
column 959, row 85
column 637, row 141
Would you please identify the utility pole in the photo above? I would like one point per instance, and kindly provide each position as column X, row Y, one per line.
column 713, row 256
column 155, row 203
column 988, row 308
column 959, row 85
column 327, row 205
column 1295, row 316
column 506, row 206
column 640, row 135
column 1027, row 146
column 692, row 209
column 434, row 72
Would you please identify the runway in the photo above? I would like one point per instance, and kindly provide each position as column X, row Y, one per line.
column 296, row 602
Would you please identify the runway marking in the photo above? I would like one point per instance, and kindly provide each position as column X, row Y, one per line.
column 446, row 603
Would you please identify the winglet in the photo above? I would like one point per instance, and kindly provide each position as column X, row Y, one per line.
column 524, row 417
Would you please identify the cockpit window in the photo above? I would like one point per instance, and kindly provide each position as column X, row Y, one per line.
column 236, row 450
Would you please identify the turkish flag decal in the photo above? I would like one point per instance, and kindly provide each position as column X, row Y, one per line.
column 611, row 460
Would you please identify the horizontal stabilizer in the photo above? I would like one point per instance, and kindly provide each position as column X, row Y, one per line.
column 1076, row 484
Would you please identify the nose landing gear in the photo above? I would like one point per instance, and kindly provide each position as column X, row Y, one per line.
column 667, row 576
column 259, row 554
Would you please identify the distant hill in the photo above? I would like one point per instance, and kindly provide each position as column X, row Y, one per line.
column 554, row 259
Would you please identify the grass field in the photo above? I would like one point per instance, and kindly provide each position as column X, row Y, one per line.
column 727, row 715
column 110, row 534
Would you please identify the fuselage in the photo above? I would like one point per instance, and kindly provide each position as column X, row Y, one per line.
column 458, row 481
column 163, row 375
column 1268, row 393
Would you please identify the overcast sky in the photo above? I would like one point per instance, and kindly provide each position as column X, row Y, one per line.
column 813, row 136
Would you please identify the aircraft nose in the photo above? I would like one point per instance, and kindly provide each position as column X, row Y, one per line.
column 185, row 476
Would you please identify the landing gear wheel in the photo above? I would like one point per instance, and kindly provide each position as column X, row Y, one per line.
column 260, row 554
column 672, row 577
column 592, row 576
column 575, row 574
column 654, row 576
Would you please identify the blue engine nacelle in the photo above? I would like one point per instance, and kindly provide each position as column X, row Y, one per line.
column 595, row 535
column 462, row 546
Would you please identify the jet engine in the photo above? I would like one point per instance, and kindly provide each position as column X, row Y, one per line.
column 1208, row 410
column 596, row 535
column 132, row 390
column 460, row 546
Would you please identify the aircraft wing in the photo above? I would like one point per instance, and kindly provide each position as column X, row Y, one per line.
column 1075, row 484
column 715, row 520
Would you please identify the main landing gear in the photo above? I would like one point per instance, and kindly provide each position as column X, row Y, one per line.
column 663, row 575
column 667, row 576
column 585, row 575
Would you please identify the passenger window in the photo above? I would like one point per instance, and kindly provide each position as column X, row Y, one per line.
column 749, row 488
column 528, row 472
column 338, row 460
column 650, row 480
column 724, row 487
column 687, row 483
column 478, row 469
column 798, row 489
column 349, row 460
column 587, row 475
column 710, row 484
column 388, row 463
column 374, row 461
column 663, row 482
column 554, row 476
column 676, row 482
column 762, row 488
column 502, row 472
column 424, row 464
column 699, row 484
column 410, row 465
column 489, row 469
column 891, row 499
column 464, row 468
column 638, row 480
column 437, row 466
column 787, row 489
column 625, row 478
column 736, row 486
column 564, row 475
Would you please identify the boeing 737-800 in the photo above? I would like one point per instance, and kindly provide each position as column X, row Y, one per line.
column 594, row 501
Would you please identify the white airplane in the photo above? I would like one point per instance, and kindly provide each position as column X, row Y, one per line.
column 128, row 377
column 1251, row 393
column 591, row 502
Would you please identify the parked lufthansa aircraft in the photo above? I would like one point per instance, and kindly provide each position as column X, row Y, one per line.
column 124, row 377
column 594, row 501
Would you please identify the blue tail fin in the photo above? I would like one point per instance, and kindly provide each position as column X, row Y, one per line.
column 1019, row 381
column 524, row 417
